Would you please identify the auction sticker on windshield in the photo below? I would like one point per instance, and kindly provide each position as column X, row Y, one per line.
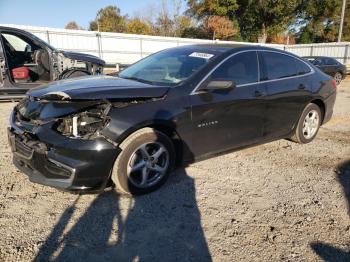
column 201, row 55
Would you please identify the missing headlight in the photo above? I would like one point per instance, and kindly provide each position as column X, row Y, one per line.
column 84, row 125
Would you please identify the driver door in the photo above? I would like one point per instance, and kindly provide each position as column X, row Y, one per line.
column 18, row 49
column 227, row 119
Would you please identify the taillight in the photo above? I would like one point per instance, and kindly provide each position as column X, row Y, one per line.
column 334, row 84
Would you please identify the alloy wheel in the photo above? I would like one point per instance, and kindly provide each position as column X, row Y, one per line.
column 338, row 78
column 148, row 164
column 311, row 124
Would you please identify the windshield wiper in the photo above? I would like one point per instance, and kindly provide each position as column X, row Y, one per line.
column 137, row 79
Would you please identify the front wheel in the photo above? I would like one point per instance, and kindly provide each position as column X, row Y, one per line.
column 308, row 124
column 144, row 163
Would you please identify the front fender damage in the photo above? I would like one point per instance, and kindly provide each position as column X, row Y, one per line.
column 74, row 119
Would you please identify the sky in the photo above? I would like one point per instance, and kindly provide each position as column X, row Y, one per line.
column 57, row 13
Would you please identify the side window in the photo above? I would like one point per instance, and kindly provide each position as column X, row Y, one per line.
column 318, row 62
column 302, row 68
column 330, row 61
column 277, row 66
column 17, row 43
column 241, row 68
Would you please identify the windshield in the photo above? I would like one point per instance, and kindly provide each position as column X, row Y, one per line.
column 43, row 42
column 169, row 67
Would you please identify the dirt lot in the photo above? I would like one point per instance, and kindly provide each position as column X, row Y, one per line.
column 279, row 201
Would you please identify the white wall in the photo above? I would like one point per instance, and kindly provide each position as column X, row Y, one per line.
column 128, row 48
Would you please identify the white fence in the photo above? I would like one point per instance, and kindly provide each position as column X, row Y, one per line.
column 128, row 48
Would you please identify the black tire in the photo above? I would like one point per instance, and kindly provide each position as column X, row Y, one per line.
column 130, row 147
column 299, row 136
column 74, row 73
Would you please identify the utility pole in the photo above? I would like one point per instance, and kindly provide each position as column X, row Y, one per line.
column 342, row 21
column 98, row 15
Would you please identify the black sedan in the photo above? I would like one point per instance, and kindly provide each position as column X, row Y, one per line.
column 330, row 66
column 174, row 107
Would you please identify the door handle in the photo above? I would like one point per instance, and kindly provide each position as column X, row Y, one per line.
column 301, row 86
column 258, row 93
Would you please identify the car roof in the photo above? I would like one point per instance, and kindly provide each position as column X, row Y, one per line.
column 223, row 48
column 12, row 29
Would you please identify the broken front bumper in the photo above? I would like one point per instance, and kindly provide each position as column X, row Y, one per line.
column 51, row 159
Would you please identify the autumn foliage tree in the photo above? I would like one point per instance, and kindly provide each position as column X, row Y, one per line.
column 72, row 25
column 221, row 27
column 275, row 21
column 257, row 19
column 137, row 26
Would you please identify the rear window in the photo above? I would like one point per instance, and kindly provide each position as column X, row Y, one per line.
column 330, row 61
column 302, row 67
column 277, row 66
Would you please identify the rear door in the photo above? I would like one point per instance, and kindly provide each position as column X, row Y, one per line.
column 286, row 80
column 225, row 119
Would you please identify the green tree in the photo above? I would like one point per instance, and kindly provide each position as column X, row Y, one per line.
column 217, row 18
column 109, row 19
column 205, row 8
column 260, row 19
column 181, row 23
column 257, row 19
column 195, row 32
column 319, row 21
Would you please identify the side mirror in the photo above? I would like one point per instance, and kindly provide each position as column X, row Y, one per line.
column 219, row 85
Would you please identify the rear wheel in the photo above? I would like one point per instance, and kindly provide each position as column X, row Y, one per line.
column 338, row 77
column 308, row 124
column 144, row 164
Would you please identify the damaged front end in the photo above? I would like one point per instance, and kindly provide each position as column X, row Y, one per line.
column 65, row 134
column 86, row 124
column 58, row 143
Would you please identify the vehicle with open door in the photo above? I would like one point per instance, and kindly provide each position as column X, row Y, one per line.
column 26, row 62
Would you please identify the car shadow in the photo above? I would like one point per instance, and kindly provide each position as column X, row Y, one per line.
column 327, row 252
column 162, row 226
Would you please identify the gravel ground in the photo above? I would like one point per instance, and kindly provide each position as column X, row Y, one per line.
column 278, row 201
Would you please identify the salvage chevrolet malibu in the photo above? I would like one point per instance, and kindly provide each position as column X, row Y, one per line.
column 171, row 108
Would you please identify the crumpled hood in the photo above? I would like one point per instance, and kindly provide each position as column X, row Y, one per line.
column 84, row 57
column 97, row 88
